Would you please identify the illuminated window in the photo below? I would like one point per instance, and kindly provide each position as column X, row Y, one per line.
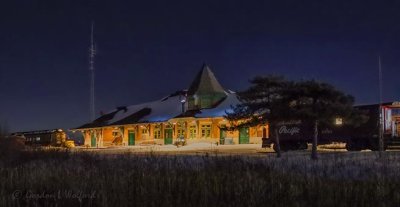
column 168, row 126
column 157, row 132
column 206, row 131
column 115, row 133
column 192, row 132
column 181, row 133
column 181, row 129
column 338, row 121
column 145, row 132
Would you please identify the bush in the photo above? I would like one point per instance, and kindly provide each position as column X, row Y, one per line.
column 180, row 141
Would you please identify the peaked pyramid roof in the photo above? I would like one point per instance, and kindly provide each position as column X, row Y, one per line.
column 205, row 83
column 170, row 107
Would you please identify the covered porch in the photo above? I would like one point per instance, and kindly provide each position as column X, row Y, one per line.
column 193, row 130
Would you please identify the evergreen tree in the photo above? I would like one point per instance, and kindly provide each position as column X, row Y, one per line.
column 264, row 102
column 317, row 103
column 273, row 99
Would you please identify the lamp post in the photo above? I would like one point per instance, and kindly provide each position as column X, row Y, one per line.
column 381, row 116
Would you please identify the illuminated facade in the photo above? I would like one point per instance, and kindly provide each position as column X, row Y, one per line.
column 196, row 114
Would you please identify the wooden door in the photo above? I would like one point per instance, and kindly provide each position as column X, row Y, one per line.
column 244, row 137
column 131, row 137
column 168, row 136
column 93, row 140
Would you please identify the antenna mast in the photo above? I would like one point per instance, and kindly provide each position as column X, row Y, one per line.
column 92, row 53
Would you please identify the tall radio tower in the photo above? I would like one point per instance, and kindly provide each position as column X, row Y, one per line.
column 92, row 53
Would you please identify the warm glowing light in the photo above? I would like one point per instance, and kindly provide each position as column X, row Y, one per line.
column 338, row 121
column 396, row 103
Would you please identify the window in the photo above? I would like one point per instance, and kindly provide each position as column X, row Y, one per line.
column 115, row 133
column 206, row 131
column 157, row 132
column 192, row 132
column 145, row 132
column 206, row 103
column 395, row 111
column 181, row 133
column 181, row 129
column 338, row 121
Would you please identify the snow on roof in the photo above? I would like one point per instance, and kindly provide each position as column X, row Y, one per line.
column 164, row 110
column 171, row 106
column 122, row 114
column 160, row 111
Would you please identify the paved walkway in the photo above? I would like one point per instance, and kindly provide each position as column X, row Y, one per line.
column 192, row 148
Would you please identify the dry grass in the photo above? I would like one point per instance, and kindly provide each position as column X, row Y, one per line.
column 155, row 180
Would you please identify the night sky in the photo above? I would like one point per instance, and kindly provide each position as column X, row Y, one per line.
column 149, row 49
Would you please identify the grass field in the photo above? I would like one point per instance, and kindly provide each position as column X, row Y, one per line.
column 62, row 178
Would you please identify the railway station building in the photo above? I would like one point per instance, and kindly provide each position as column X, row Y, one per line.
column 195, row 114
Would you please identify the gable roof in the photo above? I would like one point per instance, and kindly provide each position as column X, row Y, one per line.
column 205, row 83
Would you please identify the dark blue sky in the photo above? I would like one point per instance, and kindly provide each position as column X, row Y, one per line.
column 148, row 49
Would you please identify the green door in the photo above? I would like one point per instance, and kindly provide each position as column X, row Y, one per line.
column 168, row 136
column 244, row 135
column 93, row 140
column 131, row 137
column 222, row 135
